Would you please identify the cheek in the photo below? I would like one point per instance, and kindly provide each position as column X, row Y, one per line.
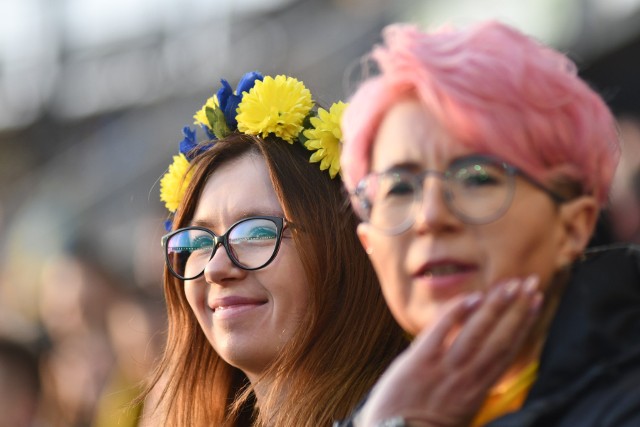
column 296, row 292
column 388, row 256
column 288, row 284
column 518, row 250
column 194, row 292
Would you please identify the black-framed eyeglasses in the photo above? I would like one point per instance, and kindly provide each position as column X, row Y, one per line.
column 477, row 189
column 251, row 244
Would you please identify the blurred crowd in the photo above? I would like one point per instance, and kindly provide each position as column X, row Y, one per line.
column 625, row 206
column 620, row 222
column 84, row 361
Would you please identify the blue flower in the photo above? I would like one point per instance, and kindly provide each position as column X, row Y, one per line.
column 247, row 81
column 229, row 101
column 168, row 224
column 223, row 95
column 188, row 143
column 189, row 146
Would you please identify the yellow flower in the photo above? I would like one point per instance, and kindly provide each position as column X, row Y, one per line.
column 200, row 117
column 325, row 138
column 274, row 105
column 174, row 183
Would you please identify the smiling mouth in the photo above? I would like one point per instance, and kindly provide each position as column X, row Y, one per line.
column 222, row 308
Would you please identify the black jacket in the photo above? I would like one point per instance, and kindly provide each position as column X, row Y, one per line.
column 589, row 372
column 590, row 365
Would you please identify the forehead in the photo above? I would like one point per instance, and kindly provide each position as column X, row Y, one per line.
column 409, row 135
column 237, row 189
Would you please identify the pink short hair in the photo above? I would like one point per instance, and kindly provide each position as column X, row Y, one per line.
column 496, row 90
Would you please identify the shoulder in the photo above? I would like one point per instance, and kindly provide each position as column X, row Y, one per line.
column 625, row 256
column 609, row 272
column 613, row 401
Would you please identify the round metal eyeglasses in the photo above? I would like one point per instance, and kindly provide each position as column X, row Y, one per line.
column 477, row 189
column 251, row 244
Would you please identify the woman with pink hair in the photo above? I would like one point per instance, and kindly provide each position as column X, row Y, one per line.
column 478, row 162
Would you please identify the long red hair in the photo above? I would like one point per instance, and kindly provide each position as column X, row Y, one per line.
column 344, row 342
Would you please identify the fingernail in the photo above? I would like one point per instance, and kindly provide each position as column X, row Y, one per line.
column 531, row 284
column 536, row 303
column 473, row 300
column 510, row 289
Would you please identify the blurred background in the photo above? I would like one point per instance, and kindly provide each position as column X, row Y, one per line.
column 93, row 97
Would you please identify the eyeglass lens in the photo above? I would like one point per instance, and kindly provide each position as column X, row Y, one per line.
column 476, row 191
column 251, row 244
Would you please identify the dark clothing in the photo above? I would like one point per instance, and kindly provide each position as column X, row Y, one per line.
column 603, row 234
column 590, row 366
column 589, row 372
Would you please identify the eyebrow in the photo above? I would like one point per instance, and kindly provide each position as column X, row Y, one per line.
column 243, row 215
column 200, row 223
column 404, row 166
column 411, row 166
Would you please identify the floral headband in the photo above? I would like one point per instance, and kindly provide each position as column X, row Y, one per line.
column 262, row 106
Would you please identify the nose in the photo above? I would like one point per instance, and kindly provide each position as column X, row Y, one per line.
column 434, row 213
column 221, row 270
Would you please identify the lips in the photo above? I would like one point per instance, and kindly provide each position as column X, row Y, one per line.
column 234, row 302
column 443, row 268
column 445, row 277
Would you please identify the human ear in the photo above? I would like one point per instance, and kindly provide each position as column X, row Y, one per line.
column 577, row 221
column 363, row 231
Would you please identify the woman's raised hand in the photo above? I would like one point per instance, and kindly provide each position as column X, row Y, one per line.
column 443, row 378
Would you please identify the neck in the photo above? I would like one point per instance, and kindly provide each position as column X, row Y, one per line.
column 259, row 384
column 267, row 399
column 534, row 343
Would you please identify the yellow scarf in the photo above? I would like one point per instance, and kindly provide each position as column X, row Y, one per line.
column 507, row 397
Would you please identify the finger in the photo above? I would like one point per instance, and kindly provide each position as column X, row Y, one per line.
column 510, row 335
column 430, row 343
column 466, row 377
column 491, row 372
column 470, row 382
column 472, row 337
column 506, row 340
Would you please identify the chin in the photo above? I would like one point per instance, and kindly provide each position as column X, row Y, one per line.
column 421, row 319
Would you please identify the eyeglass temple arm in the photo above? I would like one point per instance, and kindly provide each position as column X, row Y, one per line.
column 558, row 198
